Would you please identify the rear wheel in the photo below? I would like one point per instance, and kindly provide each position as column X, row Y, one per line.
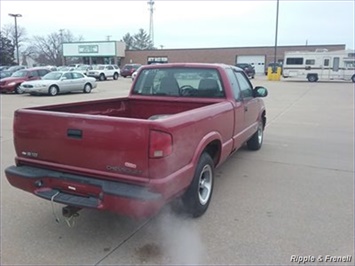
column 256, row 141
column 87, row 88
column 53, row 91
column 198, row 196
column 353, row 78
column 18, row 90
column 312, row 78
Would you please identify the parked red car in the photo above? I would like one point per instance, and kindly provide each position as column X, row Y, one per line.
column 12, row 83
column 128, row 69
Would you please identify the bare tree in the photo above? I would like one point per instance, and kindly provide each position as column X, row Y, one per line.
column 8, row 31
column 48, row 49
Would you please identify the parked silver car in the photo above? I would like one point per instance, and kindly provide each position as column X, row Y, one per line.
column 60, row 82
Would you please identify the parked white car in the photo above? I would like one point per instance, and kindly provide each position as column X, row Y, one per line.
column 59, row 82
column 102, row 72
column 134, row 74
column 84, row 69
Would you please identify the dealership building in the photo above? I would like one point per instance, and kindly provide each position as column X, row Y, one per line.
column 114, row 52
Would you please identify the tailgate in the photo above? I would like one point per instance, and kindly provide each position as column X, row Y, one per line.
column 95, row 145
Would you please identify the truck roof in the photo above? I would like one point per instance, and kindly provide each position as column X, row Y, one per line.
column 203, row 65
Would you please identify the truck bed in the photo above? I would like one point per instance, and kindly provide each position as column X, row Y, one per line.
column 109, row 138
column 128, row 108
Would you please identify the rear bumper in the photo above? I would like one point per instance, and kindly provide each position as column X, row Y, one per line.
column 86, row 192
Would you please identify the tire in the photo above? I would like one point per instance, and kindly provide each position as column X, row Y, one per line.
column 353, row 78
column 115, row 76
column 312, row 78
column 198, row 196
column 87, row 88
column 53, row 90
column 18, row 90
column 256, row 141
column 102, row 77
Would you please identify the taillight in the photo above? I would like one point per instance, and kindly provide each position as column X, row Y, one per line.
column 160, row 145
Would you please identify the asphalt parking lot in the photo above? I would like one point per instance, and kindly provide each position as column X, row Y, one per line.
column 291, row 201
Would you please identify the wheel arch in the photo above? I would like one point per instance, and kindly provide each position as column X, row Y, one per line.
column 88, row 83
column 263, row 118
column 212, row 144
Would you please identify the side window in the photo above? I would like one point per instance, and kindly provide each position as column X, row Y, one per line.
column 42, row 72
column 310, row 62
column 234, row 84
column 109, row 67
column 326, row 62
column 33, row 73
column 77, row 75
column 294, row 61
column 67, row 75
column 245, row 87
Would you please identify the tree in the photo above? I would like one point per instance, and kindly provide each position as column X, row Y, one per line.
column 128, row 39
column 47, row 50
column 6, row 51
column 9, row 32
column 139, row 41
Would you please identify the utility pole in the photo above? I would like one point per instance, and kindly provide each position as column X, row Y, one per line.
column 151, row 30
column 16, row 37
column 277, row 24
column 61, row 43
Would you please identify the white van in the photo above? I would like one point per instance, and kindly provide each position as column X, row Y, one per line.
column 320, row 65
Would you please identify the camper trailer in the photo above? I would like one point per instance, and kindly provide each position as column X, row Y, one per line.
column 320, row 65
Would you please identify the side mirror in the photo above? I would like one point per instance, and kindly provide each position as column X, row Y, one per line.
column 63, row 78
column 260, row 91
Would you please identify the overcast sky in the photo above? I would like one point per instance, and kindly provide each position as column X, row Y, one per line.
column 192, row 24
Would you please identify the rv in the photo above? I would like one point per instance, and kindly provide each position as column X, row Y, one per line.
column 320, row 65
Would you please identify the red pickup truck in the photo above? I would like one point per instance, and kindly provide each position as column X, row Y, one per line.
column 131, row 155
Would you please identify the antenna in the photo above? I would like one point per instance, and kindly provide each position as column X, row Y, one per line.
column 151, row 9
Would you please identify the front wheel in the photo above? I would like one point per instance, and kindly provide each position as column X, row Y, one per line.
column 353, row 78
column 256, row 141
column 102, row 77
column 198, row 196
column 53, row 91
column 115, row 76
column 18, row 90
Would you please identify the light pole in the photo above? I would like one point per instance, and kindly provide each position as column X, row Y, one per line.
column 16, row 37
column 62, row 48
column 277, row 25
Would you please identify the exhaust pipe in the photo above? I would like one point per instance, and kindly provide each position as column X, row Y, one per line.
column 70, row 211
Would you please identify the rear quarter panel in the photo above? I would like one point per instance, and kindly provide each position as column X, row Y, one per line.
column 192, row 131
